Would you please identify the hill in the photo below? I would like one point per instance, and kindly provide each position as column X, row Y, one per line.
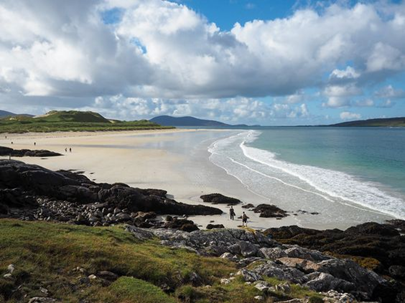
column 383, row 122
column 72, row 116
column 70, row 121
column 4, row 113
column 190, row 121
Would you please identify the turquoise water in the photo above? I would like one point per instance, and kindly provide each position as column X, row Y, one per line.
column 348, row 174
column 371, row 154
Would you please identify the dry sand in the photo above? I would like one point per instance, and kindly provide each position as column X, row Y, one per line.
column 122, row 157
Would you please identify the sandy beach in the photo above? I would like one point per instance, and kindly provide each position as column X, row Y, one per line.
column 173, row 160
column 135, row 158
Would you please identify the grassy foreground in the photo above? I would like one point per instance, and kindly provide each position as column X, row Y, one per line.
column 60, row 257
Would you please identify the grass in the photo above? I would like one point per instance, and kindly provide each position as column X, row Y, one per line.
column 71, row 121
column 48, row 255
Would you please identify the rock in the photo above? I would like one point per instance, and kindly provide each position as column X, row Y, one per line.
column 247, row 261
column 249, row 276
column 212, row 226
column 272, row 253
column 8, row 276
column 23, row 185
column 325, row 282
column 262, row 286
column 259, row 298
column 280, row 271
column 270, row 211
column 284, row 287
column 107, row 275
column 306, row 266
column 194, row 279
column 249, row 205
column 11, row 268
column 225, row 281
column 92, row 277
column 247, row 249
column 41, row 300
column 229, row 256
column 397, row 271
column 304, row 253
column 6, row 151
column 139, row 233
column 44, row 291
column 219, row 199
column 363, row 280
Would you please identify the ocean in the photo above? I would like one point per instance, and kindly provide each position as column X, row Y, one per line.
column 344, row 174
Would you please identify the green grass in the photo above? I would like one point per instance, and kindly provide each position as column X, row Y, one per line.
column 47, row 255
column 71, row 121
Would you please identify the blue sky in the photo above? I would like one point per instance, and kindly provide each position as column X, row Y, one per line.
column 238, row 61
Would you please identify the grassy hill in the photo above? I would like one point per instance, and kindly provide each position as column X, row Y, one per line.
column 70, row 121
column 383, row 122
column 58, row 259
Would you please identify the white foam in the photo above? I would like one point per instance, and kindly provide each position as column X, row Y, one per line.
column 329, row 184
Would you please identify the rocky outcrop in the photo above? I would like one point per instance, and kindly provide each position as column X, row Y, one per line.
column 35, row 193
column 378, row 246
column 219, row 199
column 7, row 151
column 259, row 256
column 270, row 211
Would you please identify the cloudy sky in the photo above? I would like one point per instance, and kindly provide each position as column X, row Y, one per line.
column 239, row 61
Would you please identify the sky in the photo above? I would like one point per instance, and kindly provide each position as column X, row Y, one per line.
column 265, row 62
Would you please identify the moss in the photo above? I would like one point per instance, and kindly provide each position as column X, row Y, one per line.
column 127, row 289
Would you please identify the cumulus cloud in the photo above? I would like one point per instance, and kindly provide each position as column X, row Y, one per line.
column 390, row 92
column 162, row 50
column 232, row 110
column 364, row 103
column 165, row 49
column 349, row 116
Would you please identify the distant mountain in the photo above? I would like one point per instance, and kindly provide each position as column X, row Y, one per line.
column 383, row 122
column 4, row 113
column 190, row 121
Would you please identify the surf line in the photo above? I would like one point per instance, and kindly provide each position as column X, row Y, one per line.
column 343, row 200
column 281, row 181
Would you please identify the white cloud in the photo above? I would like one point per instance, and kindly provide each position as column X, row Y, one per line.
column 165, row 49
column 363, row 103
column 158, row 51
column 232, row 110
column 386, row 104
column 390, row 92
column 339, row 95
column 349, row 116
column 348, row 73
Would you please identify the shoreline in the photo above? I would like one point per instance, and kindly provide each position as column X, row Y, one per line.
column 160, row 159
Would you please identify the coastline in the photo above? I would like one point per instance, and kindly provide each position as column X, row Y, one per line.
column 173, row 160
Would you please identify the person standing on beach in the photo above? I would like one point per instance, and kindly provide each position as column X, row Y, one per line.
column 244, row 219
column 232, row 213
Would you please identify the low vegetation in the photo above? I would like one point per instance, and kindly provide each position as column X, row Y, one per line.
column 71, row 121
column 59, row 259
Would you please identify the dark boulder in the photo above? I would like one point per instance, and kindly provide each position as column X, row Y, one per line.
column 212, row 226
column 219, row 199
column 249, row 205
column 23, row 183
column 270, row 211
column 6, row 151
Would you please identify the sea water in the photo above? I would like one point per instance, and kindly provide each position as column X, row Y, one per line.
column 345, row 174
